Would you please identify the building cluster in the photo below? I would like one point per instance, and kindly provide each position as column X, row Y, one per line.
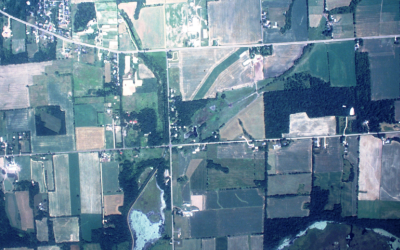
column 54, row 16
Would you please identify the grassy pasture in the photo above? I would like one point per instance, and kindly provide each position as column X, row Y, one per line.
column 86, row 77
column 60, row 199
column 378, row 209
column 173, row 76
column 330, row 181
column 89, row 178
column 289, row 184
column 89, row 222
column 66, row 229
column 287, row 207
column 42, row 230
column 342, row 64
column 294, row 158
column 234, row 198
column 110, row 172
column 344, row 26
column 150, row 27
column 85, row 115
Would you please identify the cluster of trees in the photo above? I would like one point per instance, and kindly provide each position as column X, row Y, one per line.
column 132, row 30
column 265, row 50
column 217, row 166
column 288, row 19
column 345, row 9
column 186, row 110
column 83, row 15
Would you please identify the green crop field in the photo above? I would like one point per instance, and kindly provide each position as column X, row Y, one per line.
column 342, row 64
column 86, row 77
column 110, row 171
column 85, row 116
column 379, row 209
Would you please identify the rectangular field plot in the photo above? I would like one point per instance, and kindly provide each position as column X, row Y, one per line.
column 20, row 120
column 60, row 199
column 88, row 138
column 86, row 78
column 256, row 242
column 330, row 181
column 150, row 27
column 238, row 243
column 344, row 26
column 342, row 64
column 89, row 175
column 66, row 229
column 329, row 158
column 384, row 58
column 234, row 198
column 112, row 203
column 289, row 184
column 25, row 212
column 378, row 209
column 302, row 125
column 208, row 244
column 294, row 158
column 370, row 167
column 235, row 151
column 234, row 22
column 377, row 18
column 110, row 182
column 214, row 223
column 59, row 143
column 348, row 199
column 287, row 207
column 38, row 175
column 13, row 91
column 42, row 230
column 332, row 4
column 390, row 183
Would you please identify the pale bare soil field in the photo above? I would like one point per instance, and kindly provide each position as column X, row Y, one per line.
column 112, row 203
column 287, row 207
column 314, row 20
column 198, row 201
column 370, row 167
column 128, row 8
column 235, row 76
column 234, row 22
column 90, row 138
column 282, row 58
column 42, row 230
column 390, row 182
column 66, row 229
column 195, row 66
column 315, row 11
column 13, row 91
column 25, row 211
column 89, row 178
column 252, row 118
column 60, row 199
column 302, row 125
column 107, row 71
column 332, row 4
column 208, row 244
column 150, row 27
column 256, row 242
column 145, row 72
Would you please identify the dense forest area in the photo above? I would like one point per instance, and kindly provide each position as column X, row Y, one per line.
column 83, row 15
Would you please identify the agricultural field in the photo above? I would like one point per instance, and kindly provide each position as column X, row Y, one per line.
column 315, row 12
column 150, row 27
column 287, row 207
column 234, row 22
column 249, row 122
column 289, row 184
column 90, row 138
column 186, row 24
column 18, row 37
column 112, row 204
column 87, row 79
column 110, row 182
column 90, row 179
column 294, row 158
column 42, row 230
column 302, row 125
column 13, row 91
column 332, row 4
column 343, row 27
column 191, row 76
column 342, row 64
column 66, row 229
column 372, row 22
column 25, row 212
column 328, row 156
column 389, row 189
column 397, row 110
column 60, row 199
column 384, row 58
column 296, row 30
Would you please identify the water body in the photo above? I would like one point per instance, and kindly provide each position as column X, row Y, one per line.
column 145, row 231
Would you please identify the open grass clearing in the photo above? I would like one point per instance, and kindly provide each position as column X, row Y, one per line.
column 110, row 182
column 42, row 230
column 58, row 143
column 222, row 199
column 344, row 26
column 234, row 22
column 297, row 157
column 370, row 167
column 89, row 175
column 60, row 199
column 150, row 27
column 38, row 175
column 86, row 78
column 287, row 207
column 66, row 229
